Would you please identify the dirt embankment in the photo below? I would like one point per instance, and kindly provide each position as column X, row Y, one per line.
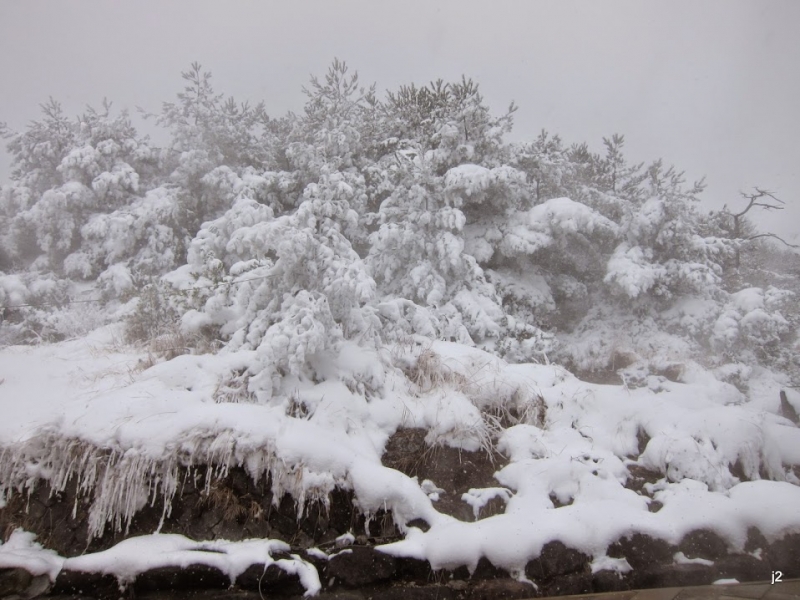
column 235, row 508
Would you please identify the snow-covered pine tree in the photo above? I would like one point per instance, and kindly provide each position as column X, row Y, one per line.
column 444, row 167
column 66, row 172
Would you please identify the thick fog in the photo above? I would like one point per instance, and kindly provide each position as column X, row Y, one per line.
column 711, row 87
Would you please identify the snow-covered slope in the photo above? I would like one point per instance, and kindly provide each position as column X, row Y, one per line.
column 86, row 409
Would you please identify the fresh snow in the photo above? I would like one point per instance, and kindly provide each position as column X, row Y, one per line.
column 91, row 394
column 21, row 551
column 137, row 555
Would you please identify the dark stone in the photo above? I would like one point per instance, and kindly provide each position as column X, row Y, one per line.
column 235, row 508
column 39, row 586
column 557, row 503
column 405, row 451
column 93, row 585
column 486, row 570
column 320, row 564
column 495, row 506
column 621, row 359
column 743, row 567
column 784, row 555
column 14, row 581
column 500, row 589
column 787, row 410
column 419, row 524
column 360, row 566
column 642, row 439
column 272, row 580
column 569, row 585
column 755, row 540
column 413, row 570
column 642, row 551
column 453, row 470
column 604, row 377
column 657, row 576
column 180, row 578
column 556, row 560
column 673, row 371
column 703, row 543
column 737, row 470
column 638, row 476
column 609, row 581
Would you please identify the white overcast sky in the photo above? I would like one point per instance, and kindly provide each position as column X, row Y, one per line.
column 710, row 86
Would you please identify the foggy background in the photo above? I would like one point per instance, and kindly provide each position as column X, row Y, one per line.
column 711, row 87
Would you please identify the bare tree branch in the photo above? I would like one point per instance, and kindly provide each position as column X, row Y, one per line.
column 772, row 235
column 758, row 195
column 760, row 198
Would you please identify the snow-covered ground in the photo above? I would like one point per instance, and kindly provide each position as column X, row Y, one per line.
column 89, row 409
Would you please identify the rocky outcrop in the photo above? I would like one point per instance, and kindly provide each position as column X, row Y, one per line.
column 235, row 508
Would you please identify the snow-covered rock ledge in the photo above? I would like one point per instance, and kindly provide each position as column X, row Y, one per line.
column 174, row 563
column 155, row 562
column 442, row 460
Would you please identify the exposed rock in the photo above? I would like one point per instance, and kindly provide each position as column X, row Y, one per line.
column 787, row 410
column 743, row 567
column 609, row 581
column 14, row 582
column 361, row 566
column 784, row 555
column 668, row 575
column 235, row 508
column 755, row 541
column 639, row 476
column 642, row 551
column 456, row 471
column 499, row 589
column 622, row 358
column 672, row 371
column 486, row 570
column 413, row 570
column 92, row 585
column 405, row 451
column 273, row 580
column 556, row 560
column 177, row 578
column 703, row 543
column 569, row 585
column 604, row 377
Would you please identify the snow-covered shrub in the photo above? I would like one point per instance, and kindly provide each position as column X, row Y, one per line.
column 34, row 308
column 447, row 124
column 418, row 254
column 547, row 164
column 751, row 322
column 149, row 236
column 154, row 314
column 65, row 172
column 288, row 287
column 209, row 131
column 662, row 254
column 610, row 337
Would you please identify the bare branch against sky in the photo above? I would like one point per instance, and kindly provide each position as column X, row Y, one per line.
column 710, row 86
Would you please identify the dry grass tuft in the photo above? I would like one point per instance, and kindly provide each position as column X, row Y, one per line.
column 234, row 389
column 430, row 373
column 227, row 503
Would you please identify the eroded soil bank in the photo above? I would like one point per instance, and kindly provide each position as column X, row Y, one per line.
column 236, row 508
